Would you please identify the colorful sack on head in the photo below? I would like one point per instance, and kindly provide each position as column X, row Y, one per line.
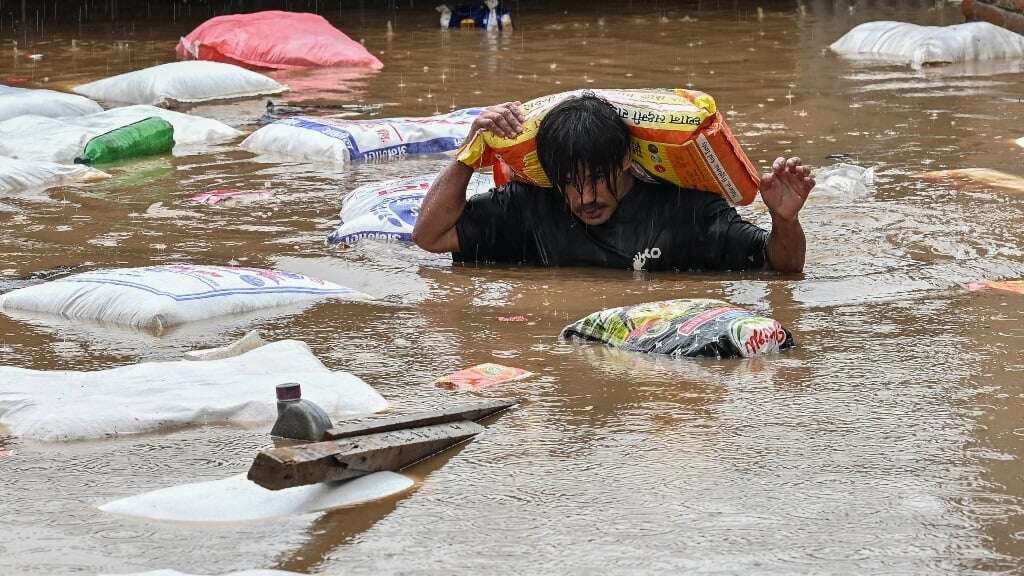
column 675, row 135
column 689, row 327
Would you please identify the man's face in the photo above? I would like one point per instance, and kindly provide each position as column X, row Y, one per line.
column 594, row 204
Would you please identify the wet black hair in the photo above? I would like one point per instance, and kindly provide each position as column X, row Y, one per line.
column 582, row 135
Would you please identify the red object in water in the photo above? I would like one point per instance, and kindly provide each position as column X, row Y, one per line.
column 275, row 39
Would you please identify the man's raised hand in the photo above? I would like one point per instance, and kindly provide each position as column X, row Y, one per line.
column 505, row 120
column 785, row 189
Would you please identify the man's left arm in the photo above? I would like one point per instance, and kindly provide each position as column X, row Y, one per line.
column 784, row 191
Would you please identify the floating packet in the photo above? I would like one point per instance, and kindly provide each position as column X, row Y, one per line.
column 482, row 376
column 689, row 327
column 1015, row 286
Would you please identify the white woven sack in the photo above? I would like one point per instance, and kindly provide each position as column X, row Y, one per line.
column 24, row 101
column 184, row 82
column 22, row 175
column 58, row 405
column 342, row 141
column 388, row 210
column 922, row 45
column 157, row 297
column 64, row 139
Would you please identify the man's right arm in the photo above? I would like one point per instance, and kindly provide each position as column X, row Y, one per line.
column 441, row 209
column 443, row 205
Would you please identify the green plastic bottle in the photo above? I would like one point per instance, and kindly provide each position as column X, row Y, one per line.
column 143, row 138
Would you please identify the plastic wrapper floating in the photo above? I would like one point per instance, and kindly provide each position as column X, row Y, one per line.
column 675, row 135
column 687, row 327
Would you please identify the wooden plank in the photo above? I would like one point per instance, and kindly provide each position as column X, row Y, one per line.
column 278, row 468
column 372, row 425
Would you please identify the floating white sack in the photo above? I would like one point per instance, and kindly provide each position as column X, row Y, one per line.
column 57, row 405
column 921, row 45
column 337, row 140
column 1020, row 142
column 24, row 101
column 388, row 210
column 185, row 82
column 19, row 175
column 236, row 499
column 157, row 297
column 64, row 139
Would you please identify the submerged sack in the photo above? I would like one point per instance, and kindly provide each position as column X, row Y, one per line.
column 274, row 39
column 923, row 45
column 19, row 175
column 334, row 140
column 157, row 297
column 143, row 138
column 689, row 327
column 675, row 135
column 185, row 82
column 64, row 139
column 69, row 405
column 24, row 101
column 388, row 210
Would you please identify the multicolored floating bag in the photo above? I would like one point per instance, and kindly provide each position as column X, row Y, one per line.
column 687, row 327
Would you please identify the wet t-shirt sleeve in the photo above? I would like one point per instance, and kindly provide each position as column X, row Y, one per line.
column 714, row 237
column 493, row 227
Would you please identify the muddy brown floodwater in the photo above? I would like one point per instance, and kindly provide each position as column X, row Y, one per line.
column 889, row 441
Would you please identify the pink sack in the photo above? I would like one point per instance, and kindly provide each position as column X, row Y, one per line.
column 275, row 39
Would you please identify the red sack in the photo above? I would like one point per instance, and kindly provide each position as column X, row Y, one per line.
column 274, row 39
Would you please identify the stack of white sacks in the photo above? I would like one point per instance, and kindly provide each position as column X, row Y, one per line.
column 43, row 131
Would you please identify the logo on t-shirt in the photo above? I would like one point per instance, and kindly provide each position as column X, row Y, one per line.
column 641, row 257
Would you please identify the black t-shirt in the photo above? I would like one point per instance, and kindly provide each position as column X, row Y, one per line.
column 656, row 227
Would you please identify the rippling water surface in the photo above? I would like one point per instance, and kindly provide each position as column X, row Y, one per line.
column 889, row 441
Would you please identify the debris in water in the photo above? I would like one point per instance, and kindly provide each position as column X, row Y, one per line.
column 228, row 197
column 1015, row 286
column 519, row 318
column 482, row 376
column 977, row 179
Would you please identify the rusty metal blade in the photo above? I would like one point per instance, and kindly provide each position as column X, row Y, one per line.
column 346, row 458
column 372, row 425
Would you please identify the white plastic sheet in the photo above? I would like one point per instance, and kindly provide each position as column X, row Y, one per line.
column 157, row 297
column 342, row 141
column 184, row 82
column 64, row 139
column 388, row 210
column 924, row 45
column 59, row 405
column 236, row 499
column 24, row 175
column 1020, row 142
column 24, row 101
column 843, row 182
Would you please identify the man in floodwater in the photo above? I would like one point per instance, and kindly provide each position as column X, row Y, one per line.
column 598, row 213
